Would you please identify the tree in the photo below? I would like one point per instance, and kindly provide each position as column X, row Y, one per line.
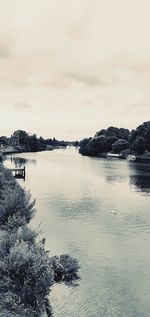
column 112, row 131
column 22, row 136
column 119, row 146
column 147, row 139
column 101, row 132
column 83, row 146
column 95, row 146
column 139, row 145
column 124, row 134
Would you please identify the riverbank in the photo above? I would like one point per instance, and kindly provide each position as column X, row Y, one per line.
column 21, row 141
column 9, row 149
column 27, row 271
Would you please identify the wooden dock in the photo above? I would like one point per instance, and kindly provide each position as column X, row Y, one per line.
column 19, row 172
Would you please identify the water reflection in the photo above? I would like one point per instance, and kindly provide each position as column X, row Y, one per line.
column 140, row 177
column 143, row 169
column 137, row 174
column 82, row 208
column 17, row 161
column 109, row 169
column 141, row 183
column 115, row 179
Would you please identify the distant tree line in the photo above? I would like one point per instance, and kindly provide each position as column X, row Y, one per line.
column 118, row 140
column 30, row 142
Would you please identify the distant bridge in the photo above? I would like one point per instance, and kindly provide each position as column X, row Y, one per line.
column 18, row 172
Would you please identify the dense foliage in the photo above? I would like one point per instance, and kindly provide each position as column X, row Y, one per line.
column 21, row 141
column 103, row 141
column 118, row 140
column 26, row 270
column 31, row 142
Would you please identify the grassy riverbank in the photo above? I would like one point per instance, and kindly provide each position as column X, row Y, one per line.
column 27, row 271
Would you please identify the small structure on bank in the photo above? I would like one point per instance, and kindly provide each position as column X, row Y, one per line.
column 19, row 172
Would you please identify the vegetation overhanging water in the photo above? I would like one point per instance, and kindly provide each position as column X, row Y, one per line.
column 26, row 269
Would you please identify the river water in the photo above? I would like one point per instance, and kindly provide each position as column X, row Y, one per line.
column 75, row 197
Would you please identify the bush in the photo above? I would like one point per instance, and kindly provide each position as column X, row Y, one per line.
column 139, row 145
column 119, row 146
column 65, row 268
column 17, row 202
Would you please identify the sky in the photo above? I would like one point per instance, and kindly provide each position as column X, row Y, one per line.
column 69, row 68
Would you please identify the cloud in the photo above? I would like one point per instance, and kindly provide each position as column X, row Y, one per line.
column 65, row 60
column 4, row 52
column 21, row 106
column 56, row 82
column 83, row 78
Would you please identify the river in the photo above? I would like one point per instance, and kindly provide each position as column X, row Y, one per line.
column 75, row 197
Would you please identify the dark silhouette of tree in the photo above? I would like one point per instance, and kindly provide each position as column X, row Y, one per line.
column 104, row 140
column 139, row 145
column 101, row 132
column 117, row 140
column 120, row 145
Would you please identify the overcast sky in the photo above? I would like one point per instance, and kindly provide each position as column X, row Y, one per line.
column 71, row 67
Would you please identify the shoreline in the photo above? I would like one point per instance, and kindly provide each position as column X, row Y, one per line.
column 16, row 150
column 27, row 270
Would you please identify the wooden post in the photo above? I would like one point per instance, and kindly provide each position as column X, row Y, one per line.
column 24, row 173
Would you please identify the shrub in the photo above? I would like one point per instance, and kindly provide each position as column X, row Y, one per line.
column 119, row 146
column 139, row 145
column 16, row 202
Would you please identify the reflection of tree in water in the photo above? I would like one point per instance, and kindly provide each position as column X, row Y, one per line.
column 115, row 178
column 115, row 171
column 141, row 177
column 138, row 175
column 142, row 183
column 19, row 161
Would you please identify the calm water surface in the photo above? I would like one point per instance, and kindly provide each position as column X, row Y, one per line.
column 74, row 199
